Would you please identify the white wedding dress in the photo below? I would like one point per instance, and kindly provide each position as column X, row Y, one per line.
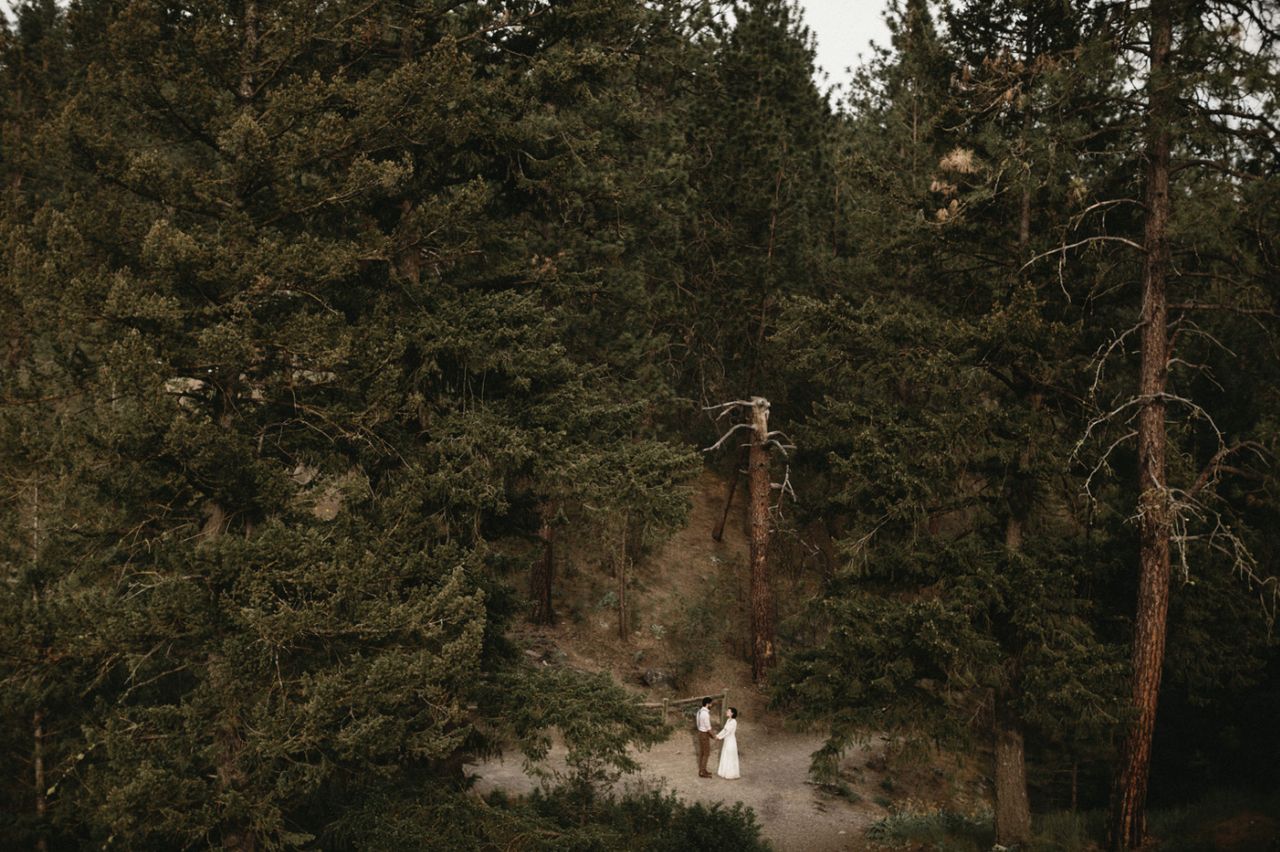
column 729, row 750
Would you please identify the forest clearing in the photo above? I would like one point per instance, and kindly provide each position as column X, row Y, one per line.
column 794, row 813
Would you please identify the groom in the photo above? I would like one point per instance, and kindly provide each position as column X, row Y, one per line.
column 704, row 738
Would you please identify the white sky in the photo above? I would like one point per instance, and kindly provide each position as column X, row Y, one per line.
column 844, row 29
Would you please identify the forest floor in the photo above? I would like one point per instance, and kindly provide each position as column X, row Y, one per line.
column 689, row 614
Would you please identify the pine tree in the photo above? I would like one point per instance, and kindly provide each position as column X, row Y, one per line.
column 308, row 288
column 1205, row 131
column 949, row 413
column 758, row 229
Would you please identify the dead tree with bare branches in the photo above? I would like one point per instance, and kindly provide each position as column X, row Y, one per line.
column 760, row 488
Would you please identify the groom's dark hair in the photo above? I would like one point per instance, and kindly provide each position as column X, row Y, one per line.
column 706, row 701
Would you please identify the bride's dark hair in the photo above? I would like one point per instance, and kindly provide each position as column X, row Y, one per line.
column 734, row 711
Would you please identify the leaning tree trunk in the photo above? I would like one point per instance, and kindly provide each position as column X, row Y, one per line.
column 762, row 638
column 1128, row 806
column 718, row 532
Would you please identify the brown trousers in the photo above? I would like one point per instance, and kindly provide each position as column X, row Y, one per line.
column 704, row 751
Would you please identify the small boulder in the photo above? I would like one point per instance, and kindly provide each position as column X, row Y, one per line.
column 655, row 677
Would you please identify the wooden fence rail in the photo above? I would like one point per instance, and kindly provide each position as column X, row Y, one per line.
column 667, row 704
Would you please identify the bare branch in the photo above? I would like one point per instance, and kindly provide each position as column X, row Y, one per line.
column 1102, row 359
column 1206, row 306
column 1204, row 369
column 1078, row 243
column 1192, row 328
column 1102, row 419
column 725, row 407
column 725, row 436
column 1210, row 473
column 1102, row 463
column 784, row 489
column 781, row 446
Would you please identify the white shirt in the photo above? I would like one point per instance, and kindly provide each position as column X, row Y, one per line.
column 704, row 719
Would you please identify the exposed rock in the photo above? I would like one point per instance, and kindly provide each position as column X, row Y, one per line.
column 656, row 677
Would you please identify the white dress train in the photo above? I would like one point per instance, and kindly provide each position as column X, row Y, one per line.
column 729, row 750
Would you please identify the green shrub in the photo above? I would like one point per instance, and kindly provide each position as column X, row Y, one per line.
column 934, row 828
column 650, row 821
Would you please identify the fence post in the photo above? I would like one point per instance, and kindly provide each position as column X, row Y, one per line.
column 664, row 711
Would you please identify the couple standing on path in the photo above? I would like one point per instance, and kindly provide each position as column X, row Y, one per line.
column 728, row 751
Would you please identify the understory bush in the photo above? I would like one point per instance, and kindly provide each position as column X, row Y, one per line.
column 652, row 821
column 934, row 828
column 1226, row 819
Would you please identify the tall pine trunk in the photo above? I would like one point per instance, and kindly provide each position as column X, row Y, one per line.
column 1013, row 808
column 1128, row 808
column 37, row 720
column 1013, row 805
column 762, row 650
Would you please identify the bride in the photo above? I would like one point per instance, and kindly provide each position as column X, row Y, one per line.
column 729, row 750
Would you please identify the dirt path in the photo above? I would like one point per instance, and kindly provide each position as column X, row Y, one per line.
column 794, row 815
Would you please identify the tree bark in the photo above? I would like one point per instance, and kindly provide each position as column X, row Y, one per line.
column 622, row 586
column 762, row 630
column 37, row 761
column 1013, row 808
column 37, row 720
column 249, row 56
column 1128, row 827
column 543, row 574
column 1013, row 805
